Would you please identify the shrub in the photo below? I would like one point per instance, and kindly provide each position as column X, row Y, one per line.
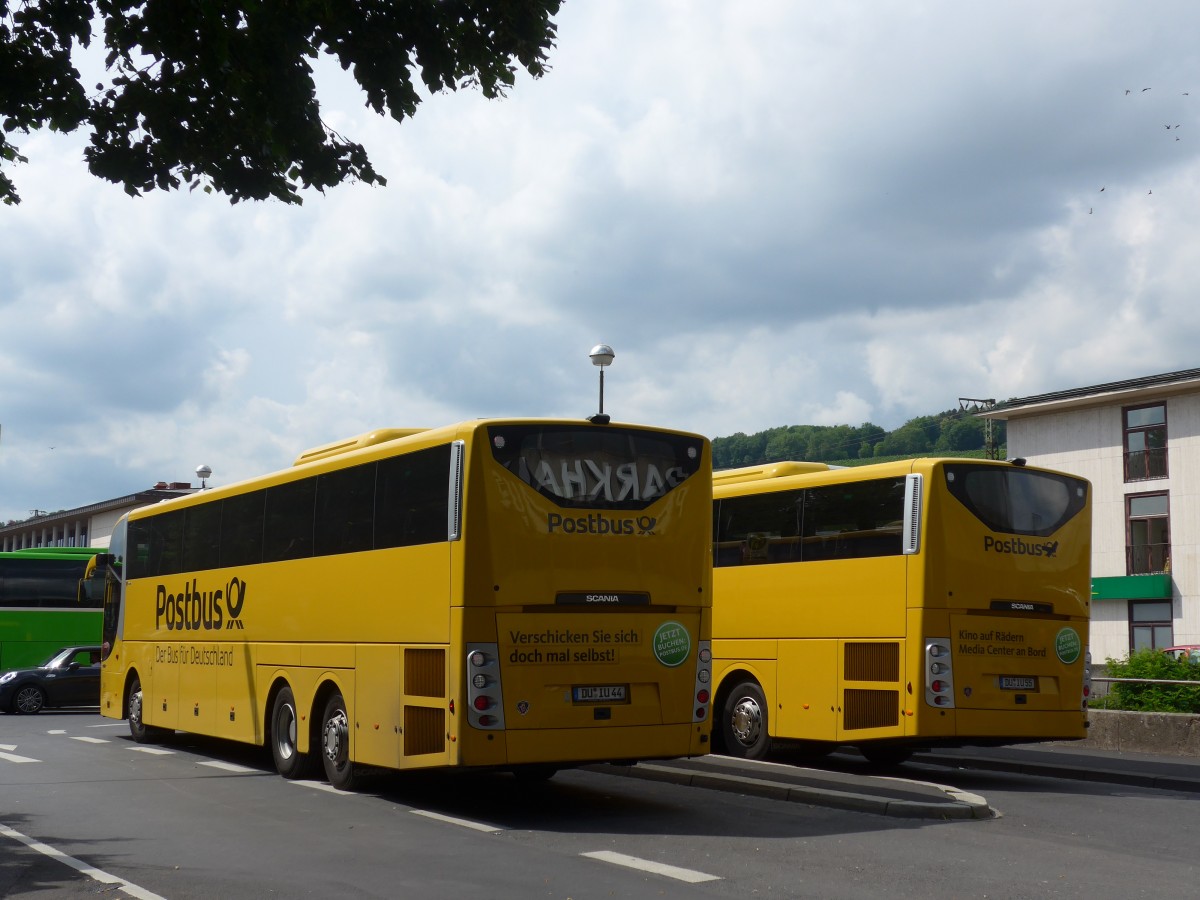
column 1158, row 666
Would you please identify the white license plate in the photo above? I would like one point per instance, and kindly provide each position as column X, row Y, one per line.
column 600, row 693
column 1018, row 683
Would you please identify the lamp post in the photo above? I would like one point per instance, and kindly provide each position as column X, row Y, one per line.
column 602, row 355
column 203, row 472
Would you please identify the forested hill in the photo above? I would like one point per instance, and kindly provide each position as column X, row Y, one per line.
column 952, row 431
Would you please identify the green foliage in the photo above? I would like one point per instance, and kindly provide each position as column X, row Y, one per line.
column 220, row 93
column 950, row 433
column 1158, row 666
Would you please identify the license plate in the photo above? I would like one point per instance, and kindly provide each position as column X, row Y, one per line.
column 1018, row 683
column 600, row 693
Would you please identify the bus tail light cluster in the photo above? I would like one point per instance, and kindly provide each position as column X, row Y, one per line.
column 703, row 695
column 939, row 673
column 485, row 701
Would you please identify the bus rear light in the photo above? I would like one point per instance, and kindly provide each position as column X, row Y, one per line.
column 939, row 673
column 703, row 677
column 485, row 693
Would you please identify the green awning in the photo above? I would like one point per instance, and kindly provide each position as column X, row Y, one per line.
column 1132, row 587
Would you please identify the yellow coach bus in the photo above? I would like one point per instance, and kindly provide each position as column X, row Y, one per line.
column 899, row 606
column 525, row 595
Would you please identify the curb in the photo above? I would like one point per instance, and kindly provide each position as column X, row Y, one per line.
column 1077, row 773
column 956, row 805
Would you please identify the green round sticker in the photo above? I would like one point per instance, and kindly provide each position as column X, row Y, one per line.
column 1067, row 645
column 672, row 644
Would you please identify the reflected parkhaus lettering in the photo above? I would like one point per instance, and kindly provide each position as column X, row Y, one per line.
column 192, row 609
column 585, row 479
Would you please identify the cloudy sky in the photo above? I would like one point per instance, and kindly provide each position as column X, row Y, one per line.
column 775, row 212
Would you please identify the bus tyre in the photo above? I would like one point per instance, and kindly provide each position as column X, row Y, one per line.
column 29, row 699
column 744, row 722
column 335, row 743
column 289, row 761
column 138, row 729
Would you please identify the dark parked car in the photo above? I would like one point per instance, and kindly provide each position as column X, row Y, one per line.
column 71, row 677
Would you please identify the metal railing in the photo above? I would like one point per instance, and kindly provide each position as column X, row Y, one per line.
column 1148, row 559
column 1143, row 464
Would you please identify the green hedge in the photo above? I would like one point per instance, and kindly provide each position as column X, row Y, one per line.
column 1156, row 665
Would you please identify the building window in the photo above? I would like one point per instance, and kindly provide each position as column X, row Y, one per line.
column 1147, row 534
column 1150, row 625
column 1146, row 442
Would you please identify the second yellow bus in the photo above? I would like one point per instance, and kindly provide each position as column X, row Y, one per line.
column 899, row 606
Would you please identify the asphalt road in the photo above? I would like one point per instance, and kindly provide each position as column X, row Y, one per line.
column 85, row 812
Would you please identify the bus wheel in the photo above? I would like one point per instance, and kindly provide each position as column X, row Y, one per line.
column 289, row 761
column 335, row 744
column 29, row 699
column 884, row 755
column 138, row 729
column 744, row 722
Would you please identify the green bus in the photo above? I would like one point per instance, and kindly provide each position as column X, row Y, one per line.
column 40, row 609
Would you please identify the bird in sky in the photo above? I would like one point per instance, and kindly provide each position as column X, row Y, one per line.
column 1145, row 89
column 1102, row 190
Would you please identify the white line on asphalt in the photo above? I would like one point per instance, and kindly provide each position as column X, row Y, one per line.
column 319, row 786
column 465, row 823
column 57, row 731
column 228, row 767
column 154, row 751
column 12, row 757
column 79, row 866
column 9, row 747
column 89, row 740
column 691, row 876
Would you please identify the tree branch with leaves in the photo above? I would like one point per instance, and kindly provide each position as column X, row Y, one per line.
column 220, row 95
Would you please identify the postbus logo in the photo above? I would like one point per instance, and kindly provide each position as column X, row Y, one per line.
column 1018, row 547
column 192, row 609
column 1067, row 645
column 594, row 523
column 671, row 644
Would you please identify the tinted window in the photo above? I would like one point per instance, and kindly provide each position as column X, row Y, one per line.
column 289, row 521
column 156, row 545
column 345, row 510
column 242, row 529
column 40, row 582
column 838, row 521
column 202, row 537
column 1014, row 500
column 412, row 499
column 596, row 467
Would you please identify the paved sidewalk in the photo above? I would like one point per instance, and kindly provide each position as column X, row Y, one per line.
column 890, row 796
column 1068, row 760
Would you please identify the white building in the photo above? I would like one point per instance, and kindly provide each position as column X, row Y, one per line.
column 1138, row 443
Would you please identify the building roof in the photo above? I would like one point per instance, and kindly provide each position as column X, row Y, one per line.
column 1149, row 387
column 141, row 498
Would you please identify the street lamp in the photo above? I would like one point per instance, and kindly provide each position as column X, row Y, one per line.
column 602, row 355
column 202, row 472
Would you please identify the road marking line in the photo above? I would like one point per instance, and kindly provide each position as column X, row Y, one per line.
column 228, row 767
column 90, row 740
column 9, row 747
column 57, row 731
column 465, row 823
column 80, row 866
column 154, row 751
column 13, row 757
column 691, row 876
column 319, row 786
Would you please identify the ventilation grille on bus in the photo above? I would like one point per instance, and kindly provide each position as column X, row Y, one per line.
column 454, row 510
column 871, row 662
column 870, row 709
column 912, row 513
column 424, row 672
column 424, row 730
